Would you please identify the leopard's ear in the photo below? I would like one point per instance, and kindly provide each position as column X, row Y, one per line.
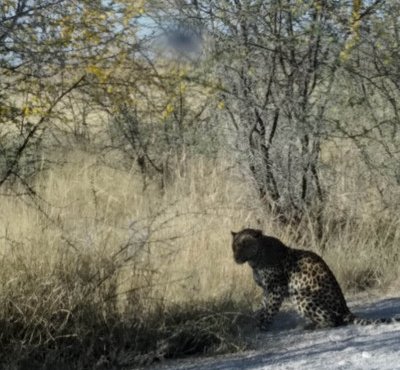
column 233, row 234
column 258, row 233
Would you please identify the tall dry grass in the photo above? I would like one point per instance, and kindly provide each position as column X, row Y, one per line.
column 106, row 269
column 103, row 261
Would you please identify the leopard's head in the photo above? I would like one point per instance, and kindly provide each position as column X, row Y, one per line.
column 245, row 244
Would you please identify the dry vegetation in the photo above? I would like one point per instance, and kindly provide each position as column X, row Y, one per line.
column 104, row 270
column 135, row 135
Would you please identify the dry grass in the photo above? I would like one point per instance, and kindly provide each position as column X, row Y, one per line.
column 101, row 256
column 104, row 270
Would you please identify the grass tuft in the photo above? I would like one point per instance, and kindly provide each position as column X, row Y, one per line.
column 105, row 272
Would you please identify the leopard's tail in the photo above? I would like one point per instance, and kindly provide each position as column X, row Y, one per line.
column 353, row 319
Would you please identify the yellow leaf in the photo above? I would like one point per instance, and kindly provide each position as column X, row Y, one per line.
column 182, row 87
column 100, row 73
column 26, row 111
column 169, row 109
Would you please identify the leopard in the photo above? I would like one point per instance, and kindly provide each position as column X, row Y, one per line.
column 301, row 275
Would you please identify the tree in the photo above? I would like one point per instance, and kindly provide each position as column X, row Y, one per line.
column 370, row 90
column 277, row 65
column 276, row 62
column 48, row 50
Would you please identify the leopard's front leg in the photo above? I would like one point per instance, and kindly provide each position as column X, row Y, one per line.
column 271, row 304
